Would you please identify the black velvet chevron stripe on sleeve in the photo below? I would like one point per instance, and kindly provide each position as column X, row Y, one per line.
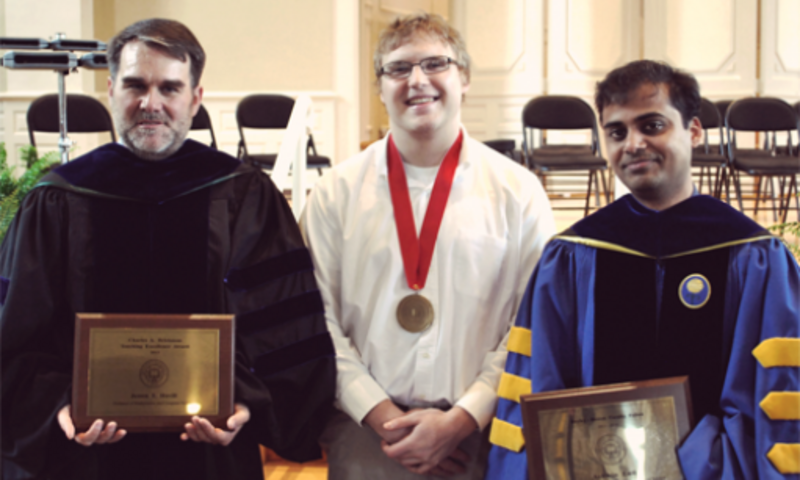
column 276, row 267
column 309, row 303
column 4, row 284
column 312, row 348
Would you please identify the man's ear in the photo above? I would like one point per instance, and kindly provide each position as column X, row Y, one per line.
column 110, row 87
column 696, row 131
column 197, row 99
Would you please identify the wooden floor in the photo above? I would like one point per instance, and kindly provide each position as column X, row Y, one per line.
column 277, row 469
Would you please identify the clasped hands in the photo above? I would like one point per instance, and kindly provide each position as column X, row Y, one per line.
column 198, row 430
column 423, row 440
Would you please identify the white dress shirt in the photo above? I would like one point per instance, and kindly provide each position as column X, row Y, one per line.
column 494, row 228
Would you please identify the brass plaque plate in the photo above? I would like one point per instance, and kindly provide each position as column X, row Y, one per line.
column 142, row 371
column 626, row 430
column 415, row 313
column 633, row 439
column 152, row 372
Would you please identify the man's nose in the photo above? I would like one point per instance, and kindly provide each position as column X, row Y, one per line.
column 634, row 142
column 417, row 76
column 151, row 101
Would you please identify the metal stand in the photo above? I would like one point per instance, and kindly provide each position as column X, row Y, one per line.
column 64, row 143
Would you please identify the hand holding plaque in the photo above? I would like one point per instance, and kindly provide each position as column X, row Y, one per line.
column 152, row 372
column 623, row 431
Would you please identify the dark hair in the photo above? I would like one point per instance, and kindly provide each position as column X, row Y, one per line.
column 167, row 36
column 684, row 91
column 404, row 29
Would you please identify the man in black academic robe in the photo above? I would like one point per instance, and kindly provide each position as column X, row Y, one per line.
column 159, row 224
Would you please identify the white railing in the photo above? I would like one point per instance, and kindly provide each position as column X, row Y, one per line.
column 292, row 155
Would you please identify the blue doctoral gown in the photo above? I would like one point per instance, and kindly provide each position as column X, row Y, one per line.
column 608, row 303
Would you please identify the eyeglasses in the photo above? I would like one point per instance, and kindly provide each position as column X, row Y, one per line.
column 429, row 66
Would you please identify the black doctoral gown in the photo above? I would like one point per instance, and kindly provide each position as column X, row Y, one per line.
column 198, row 232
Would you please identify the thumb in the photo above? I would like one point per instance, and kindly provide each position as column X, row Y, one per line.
column 241, row 415
column 65, row 422
column 408, row 420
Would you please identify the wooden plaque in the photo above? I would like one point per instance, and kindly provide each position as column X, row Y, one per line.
column 625, row 430
column 152, row 373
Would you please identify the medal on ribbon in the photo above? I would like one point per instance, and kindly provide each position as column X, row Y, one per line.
column 415, row 312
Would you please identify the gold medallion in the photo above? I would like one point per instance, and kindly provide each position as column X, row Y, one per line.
column 415, row 313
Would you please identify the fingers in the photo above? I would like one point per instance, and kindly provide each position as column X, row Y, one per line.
column 241, row 415
column 65, row 422
column 460, row 456
column 449, row 466
column 201, row 430
column 409, row 419
column 97, row 435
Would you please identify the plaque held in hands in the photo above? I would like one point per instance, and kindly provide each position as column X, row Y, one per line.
column 621, row 431
column 152, row 373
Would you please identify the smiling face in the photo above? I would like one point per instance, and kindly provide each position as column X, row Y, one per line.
column 152, row 101
column 423, row 105
column 649, row 148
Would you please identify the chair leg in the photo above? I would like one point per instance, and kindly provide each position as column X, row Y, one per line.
column 771, row 181
column 606, row 193
column 737, row 185
column 796, row 197
column 700, row 183
column 588, row 193
column 784, row 209
column 757, row 190
column 597, row 189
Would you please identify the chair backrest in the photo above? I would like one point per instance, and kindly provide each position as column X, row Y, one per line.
column 722, row 106
column 557, row 112
column 709, row 114
column 85, row 114
column 761, row 114
column 202, row 121
column 710, row 118
column 264, row 111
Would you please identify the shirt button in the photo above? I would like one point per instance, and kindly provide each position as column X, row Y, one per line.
column 426, row 355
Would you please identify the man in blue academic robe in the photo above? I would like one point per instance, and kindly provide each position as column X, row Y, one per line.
column 663, row 283
column 159, row 224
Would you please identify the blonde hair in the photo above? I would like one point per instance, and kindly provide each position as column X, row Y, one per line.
column 403, row 29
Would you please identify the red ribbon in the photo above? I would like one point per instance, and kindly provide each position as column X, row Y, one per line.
column 417, row 254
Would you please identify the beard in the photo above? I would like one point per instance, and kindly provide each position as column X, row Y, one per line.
column 156, row 144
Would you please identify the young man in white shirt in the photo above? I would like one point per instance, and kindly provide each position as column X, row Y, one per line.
column 422, row 246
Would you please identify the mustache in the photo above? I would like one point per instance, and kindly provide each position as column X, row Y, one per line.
column 150, row 117
column 641, row 157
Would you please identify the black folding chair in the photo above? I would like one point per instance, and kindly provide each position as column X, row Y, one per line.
column 769, row 116
column 84, row 115
column 556, row 112
column 707, row 156
column 263, row 111
column 506, row 146
column 202, row 121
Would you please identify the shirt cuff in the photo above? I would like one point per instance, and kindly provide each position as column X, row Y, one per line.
column 480, row 401
column 360, row 396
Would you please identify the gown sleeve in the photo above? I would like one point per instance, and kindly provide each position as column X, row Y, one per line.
column 285, row 370
column 758, row 436
column 545, row 349
column 36, row 370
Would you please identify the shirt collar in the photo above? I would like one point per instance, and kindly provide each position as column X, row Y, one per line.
column 382, row 168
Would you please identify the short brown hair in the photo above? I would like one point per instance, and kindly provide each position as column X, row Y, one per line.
column 167, row 36
column 403, row 29
column 684, row 91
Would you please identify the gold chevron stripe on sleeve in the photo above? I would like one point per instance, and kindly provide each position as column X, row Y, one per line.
column 778, row 352
column 519, row 341
column 785, row 457
column 600, row 244
column 506, row 435
column 512, row 386
column 781, row 405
